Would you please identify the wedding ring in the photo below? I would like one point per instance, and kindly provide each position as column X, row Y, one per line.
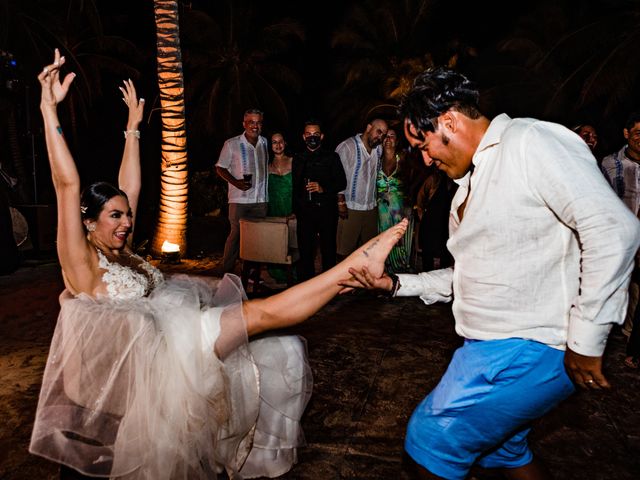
column 589, row 381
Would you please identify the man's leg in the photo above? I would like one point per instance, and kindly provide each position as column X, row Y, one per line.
column 306, row 244
column 627, row 326
column 231, row 245
column 532, row 471
column 348, row 233
column 327, row 229
column 255, row 210
column 490, row 390
column 369, row 225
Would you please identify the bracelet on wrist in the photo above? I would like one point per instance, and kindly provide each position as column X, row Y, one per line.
column 135, row 133
column 395, row 284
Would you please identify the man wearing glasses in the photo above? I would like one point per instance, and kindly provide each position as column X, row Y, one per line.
column 243, row 164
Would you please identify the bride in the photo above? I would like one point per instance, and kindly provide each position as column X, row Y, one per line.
column 155, row 378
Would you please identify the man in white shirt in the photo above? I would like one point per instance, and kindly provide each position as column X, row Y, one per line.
column 243, row 164
column 623, row 171
column 357, row 208
column 542, row 265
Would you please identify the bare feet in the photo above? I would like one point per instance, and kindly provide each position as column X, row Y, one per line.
column 373, row 254
column 632, row 362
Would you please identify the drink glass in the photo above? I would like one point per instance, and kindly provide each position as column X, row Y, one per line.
column 248, row 178
column 306, row 182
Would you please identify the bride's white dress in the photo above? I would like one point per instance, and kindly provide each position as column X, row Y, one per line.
column 157, row 380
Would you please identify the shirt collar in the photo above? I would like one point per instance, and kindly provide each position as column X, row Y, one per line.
column 244, row 140
column 491, row 137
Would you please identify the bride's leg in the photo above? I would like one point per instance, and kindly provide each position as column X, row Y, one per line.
column 303, row 300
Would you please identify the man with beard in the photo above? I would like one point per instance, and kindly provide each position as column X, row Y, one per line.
column 541, row 269
column 360, row 156
column 318, row 176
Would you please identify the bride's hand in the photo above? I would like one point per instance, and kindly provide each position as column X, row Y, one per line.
column 136, row 107
column 53, row 90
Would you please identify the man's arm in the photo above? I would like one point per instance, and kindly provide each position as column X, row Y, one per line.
column 222, row 168
column 344, row 153
column 240, row 184
column 431, row 287
column 564, row 175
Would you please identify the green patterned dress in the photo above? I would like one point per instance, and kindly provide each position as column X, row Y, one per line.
column 391, row 209
column 280, row 187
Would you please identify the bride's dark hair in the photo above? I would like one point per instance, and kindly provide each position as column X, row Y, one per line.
column 95, row 196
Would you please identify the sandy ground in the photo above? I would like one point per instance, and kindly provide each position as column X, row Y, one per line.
column 373, row 360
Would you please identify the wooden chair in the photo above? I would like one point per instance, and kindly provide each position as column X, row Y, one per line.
column 269, row 240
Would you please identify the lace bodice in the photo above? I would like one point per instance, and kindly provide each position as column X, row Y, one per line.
column 125, row 283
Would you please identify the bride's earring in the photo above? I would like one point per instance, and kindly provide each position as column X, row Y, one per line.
column 91, row 227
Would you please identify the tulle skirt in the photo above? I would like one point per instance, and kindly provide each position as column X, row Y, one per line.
column 168, row 387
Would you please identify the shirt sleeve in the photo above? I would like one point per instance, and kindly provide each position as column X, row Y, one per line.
column 431, row 287
column 344, row 153
column 224, row 160
column 563, row 174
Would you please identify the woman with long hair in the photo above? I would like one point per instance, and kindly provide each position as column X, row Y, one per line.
column 151, row 377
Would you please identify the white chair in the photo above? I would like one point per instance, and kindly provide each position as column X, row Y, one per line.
column 269, row 240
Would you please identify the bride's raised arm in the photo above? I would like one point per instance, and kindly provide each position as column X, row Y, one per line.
column 73, row 247
column 129, row 176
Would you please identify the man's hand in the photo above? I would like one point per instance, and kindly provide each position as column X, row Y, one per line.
column 240, row 184
column 342, row 211
column 364, row 279
column 586, row 372
column 314, row 187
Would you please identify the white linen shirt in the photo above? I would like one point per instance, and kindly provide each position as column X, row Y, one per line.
column 629, row 174
column 361, row 169
column 240, row 157
column 545, row 248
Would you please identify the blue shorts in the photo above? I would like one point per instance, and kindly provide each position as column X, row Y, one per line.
column 481, row 410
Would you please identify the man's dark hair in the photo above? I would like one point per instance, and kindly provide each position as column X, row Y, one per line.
column 436, row 91
column 312, row 121
column 633, row 118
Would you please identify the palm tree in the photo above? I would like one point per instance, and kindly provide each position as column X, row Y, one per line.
column 172, row 217
column 236, row 59
column 380, row 47
column 30, row 30
column 597, row 59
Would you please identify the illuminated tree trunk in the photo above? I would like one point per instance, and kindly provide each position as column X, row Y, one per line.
column 172, row 217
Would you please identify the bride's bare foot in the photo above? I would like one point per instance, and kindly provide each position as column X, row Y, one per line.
column 373, row 254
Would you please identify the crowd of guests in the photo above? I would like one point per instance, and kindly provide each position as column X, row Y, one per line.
column 340, row 198
column 180, row 391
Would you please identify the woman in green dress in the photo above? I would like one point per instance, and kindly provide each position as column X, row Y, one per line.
column 391, row 193
column 280, row 185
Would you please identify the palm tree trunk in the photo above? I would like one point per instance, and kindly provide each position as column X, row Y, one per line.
column 172, row 217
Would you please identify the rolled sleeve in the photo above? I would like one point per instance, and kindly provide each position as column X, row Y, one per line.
column 431, row 287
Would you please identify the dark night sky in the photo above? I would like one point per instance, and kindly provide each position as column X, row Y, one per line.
column 480, row 24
